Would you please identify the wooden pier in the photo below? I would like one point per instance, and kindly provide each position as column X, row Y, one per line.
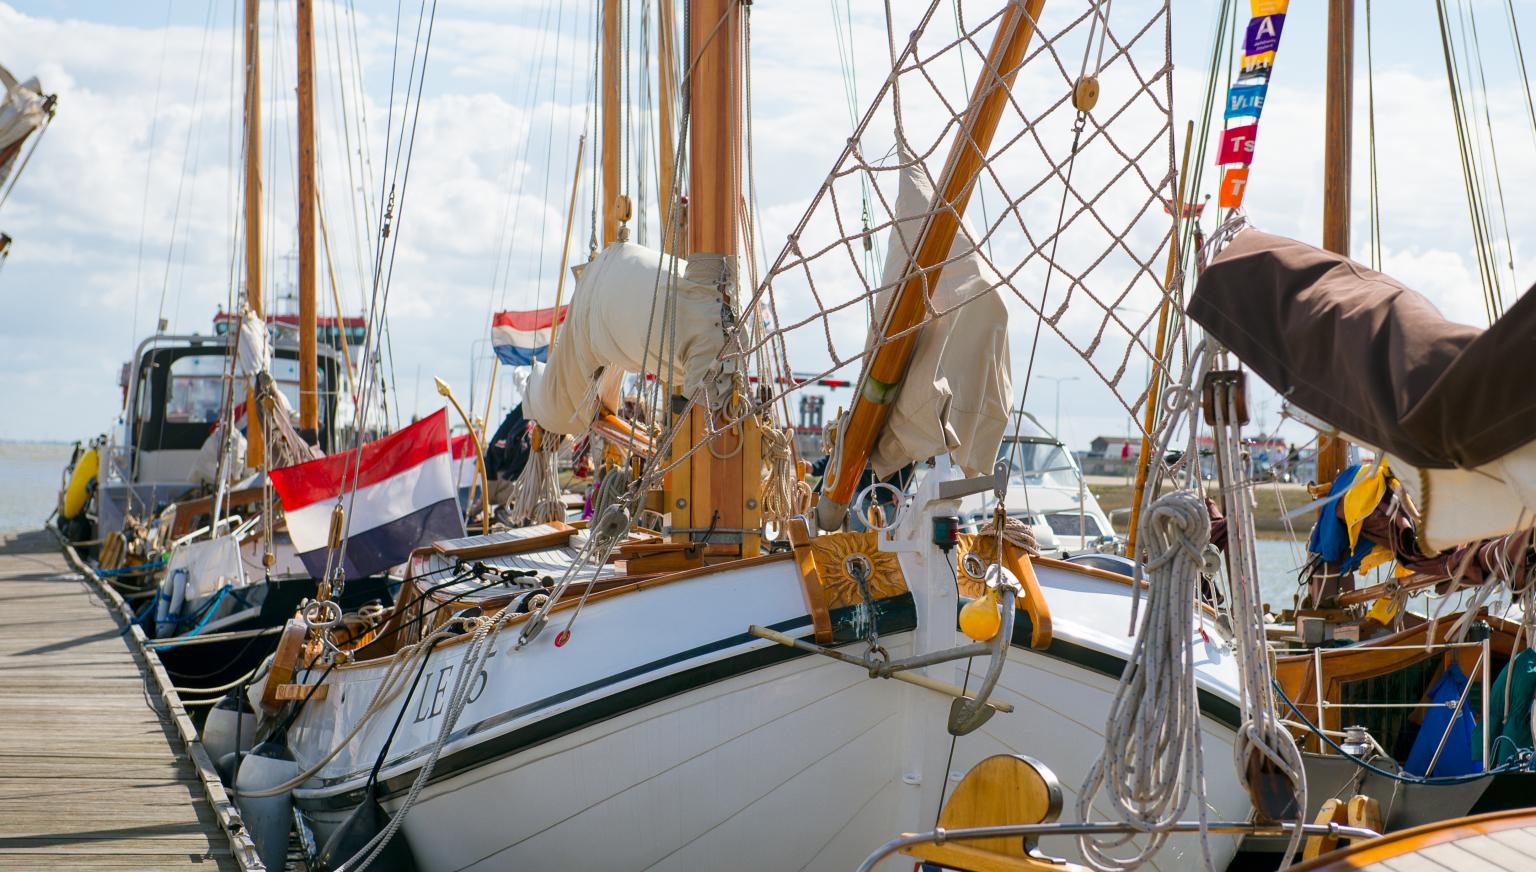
column 95, row 771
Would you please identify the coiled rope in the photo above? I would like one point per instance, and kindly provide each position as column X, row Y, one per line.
column 1152, row 760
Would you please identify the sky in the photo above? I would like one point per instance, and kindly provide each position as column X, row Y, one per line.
column 128, row 212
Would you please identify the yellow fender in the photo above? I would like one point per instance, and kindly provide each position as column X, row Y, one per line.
column 77, row 492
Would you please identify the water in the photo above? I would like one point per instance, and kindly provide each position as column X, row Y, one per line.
column 29, row 483
column 1279, row 562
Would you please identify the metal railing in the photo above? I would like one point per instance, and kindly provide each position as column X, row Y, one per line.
column 1479, row 672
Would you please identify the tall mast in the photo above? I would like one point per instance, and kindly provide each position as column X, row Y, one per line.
column 1339, row 108
column 666, row 152
column 256, row 448
column 718, row 489
column 613, row 209
column 888, row 366
column 309, row 397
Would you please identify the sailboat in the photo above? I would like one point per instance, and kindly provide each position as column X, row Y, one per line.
column 784, row 708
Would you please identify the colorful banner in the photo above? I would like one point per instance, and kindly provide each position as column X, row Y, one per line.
column 1245, row 99
column 1232, row 187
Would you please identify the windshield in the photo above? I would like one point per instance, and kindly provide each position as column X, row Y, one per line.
column 1038, row 464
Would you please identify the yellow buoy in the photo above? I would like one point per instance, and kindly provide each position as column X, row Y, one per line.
column 78, row 490
column 980, row 618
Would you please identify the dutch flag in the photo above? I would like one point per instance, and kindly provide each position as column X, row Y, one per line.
column 399, row 496
column 520, row 338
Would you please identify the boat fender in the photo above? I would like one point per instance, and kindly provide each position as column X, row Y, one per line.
column 230, row 727
column 173, row 594
column 267, row 818
column 353, row 835
column 77, row 493
column 228, row 765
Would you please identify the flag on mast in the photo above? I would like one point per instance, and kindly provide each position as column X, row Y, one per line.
column 520, row 338
column 398, row 496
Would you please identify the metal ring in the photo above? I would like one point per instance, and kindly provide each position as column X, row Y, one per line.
column 322, row 614
column 973, row 566
column 858, row 559
column 867, row 493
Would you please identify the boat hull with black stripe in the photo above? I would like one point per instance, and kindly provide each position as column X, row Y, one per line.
column 663, row 735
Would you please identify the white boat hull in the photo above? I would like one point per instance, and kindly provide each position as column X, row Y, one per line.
column 623, row 750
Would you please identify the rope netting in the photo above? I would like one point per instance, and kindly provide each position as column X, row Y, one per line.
column 1069, row 214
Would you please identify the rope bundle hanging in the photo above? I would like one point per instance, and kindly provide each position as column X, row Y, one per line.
column 1152, row 760
column 1268, row 763
column 784, row 494
column 536, row 493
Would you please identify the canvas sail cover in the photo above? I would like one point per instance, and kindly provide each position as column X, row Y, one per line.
column 23, row 110
column 1452, row 406
column 618, row 306
column 955, row 396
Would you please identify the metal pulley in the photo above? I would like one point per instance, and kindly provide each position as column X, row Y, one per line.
column 1085, row 93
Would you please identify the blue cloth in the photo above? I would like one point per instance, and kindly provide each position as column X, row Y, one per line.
column 1458, row 757
column 1330, row 535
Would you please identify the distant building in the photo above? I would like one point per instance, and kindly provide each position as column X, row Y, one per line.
column 1115, row 447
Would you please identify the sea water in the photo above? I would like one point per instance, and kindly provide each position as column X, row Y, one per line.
column 31, row 474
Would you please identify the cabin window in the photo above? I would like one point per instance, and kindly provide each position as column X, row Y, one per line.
column 1073, row 524
column 1038, row 464
column 196, row 389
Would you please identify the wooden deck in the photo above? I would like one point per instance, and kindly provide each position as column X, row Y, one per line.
column 93, row 773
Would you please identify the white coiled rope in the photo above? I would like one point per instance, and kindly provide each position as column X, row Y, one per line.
column 1152, row 761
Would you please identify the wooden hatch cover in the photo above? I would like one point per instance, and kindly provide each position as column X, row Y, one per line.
column 1000, row 790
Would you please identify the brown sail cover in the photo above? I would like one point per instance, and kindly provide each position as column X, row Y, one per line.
column 1371, row 357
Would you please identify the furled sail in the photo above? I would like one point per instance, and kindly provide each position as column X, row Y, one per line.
column 618, row 317
column 956, row 394
column 23, row 110
column 1450, row 405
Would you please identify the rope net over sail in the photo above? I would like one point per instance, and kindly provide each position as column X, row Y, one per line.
column 1064, row 229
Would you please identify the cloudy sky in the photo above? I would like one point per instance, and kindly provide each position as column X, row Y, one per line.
column 127, row 214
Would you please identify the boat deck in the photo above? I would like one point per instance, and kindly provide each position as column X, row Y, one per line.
column 93, row 773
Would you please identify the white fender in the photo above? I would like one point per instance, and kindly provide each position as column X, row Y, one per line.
column 267, row 818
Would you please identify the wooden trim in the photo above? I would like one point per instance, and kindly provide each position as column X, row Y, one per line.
column 1407, row 841
column 557, row 539
column 1020, row 565
column 810, row 580
column 285, row 663
column 573, row 595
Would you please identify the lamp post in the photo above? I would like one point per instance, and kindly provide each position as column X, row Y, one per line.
column 1058, row 380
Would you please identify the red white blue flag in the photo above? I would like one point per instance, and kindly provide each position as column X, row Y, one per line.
column 520, row 338
column 399, row 496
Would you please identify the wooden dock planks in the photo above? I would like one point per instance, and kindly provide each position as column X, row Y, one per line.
column 92, row 773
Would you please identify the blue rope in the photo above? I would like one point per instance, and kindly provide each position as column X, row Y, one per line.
column 207, row 612
column 109, row 573
column 143, row 616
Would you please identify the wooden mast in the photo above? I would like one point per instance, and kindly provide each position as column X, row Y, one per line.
column 718, row 487
column 888, row 366
column 309, row 396
column 613, row 209
column 666, row 151
column 256, row 447
column 1331, row 450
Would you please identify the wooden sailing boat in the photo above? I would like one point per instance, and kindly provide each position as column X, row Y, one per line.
column 712, row 711
column 1355, row 667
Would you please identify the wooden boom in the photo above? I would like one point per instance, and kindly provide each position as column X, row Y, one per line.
column 888, row 366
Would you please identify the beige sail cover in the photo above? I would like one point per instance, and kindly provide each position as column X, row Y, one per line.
column 21, row 112
column 619, row 303
column 956, row 393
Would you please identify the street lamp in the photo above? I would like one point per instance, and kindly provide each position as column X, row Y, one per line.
column 1058, row 380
